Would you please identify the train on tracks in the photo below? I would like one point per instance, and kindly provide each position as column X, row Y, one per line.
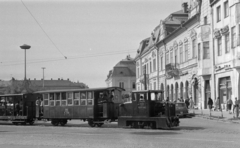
column 94, row 105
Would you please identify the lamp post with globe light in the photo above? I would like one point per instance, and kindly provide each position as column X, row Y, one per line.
column 25, row 83
column 25, row 47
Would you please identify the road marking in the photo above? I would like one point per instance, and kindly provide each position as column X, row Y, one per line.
column 192, row 139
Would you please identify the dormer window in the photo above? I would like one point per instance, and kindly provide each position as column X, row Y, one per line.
column 153, row 36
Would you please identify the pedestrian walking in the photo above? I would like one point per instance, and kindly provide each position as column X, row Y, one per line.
column 229, row 105
column 236, row 108
column 181, row 99
column 216, row 103
column 210, row 103
column 191, row 103
column 187, row 102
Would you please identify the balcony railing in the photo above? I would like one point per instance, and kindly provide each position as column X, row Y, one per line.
column 172, row 69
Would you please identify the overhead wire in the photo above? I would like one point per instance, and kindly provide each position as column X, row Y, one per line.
column 43, row 30
column 11, row 63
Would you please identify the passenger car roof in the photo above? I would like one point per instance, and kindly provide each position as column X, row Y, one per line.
column 86, row 89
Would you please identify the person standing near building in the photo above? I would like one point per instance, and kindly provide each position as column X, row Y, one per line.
column 229, row 105
column 210, row 103
column 236, row 108
column 187, row 102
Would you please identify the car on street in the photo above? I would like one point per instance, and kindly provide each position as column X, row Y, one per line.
column 181, row 109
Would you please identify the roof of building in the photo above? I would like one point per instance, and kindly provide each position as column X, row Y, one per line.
column 18, row 86
column 171, row 22
column 123, row 72
column 124, row 68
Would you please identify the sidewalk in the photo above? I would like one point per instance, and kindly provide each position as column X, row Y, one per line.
column 223, row 116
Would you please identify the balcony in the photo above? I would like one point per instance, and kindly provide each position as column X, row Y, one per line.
column 142, row 79
column 172, row 69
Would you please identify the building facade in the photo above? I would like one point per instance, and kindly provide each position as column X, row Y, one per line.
column 183, row 53
column 226, row 44
column 123, row 75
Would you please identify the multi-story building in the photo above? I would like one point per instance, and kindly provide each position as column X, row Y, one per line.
column 123, row 75
column 226, row 44
column 182, row 52
column 148, row 60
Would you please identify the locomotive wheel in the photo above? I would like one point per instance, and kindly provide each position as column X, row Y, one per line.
column 152, row 125
column 99, row 124
column 31, row 122
column 23, row 123
column 90, row 123
column 55, row 123
column 15, row 123
column 133, row 125
column 62, row 123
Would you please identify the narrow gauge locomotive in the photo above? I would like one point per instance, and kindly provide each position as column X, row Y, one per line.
column 95, row 105
column 147, row 108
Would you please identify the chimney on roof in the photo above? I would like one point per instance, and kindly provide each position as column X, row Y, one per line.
column 34, row 78
column 68, row 79
column 185, row 7
column 153, row 36
column 51, row 78
column 58, row 78
column 128, row 57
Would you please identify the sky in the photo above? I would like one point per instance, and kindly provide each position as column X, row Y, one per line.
column 80, row 40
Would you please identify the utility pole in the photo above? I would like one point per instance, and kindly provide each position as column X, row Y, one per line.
column 43, row 75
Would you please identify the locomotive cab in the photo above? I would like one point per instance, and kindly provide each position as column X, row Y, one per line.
column 148, row 109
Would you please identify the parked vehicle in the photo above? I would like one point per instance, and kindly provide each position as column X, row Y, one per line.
column 181, row 109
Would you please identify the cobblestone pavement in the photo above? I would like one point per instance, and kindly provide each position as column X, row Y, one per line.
column 193, row 132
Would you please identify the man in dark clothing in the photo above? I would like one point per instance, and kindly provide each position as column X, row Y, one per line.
column 187, row 102
column 210, row 103
column 17, row 106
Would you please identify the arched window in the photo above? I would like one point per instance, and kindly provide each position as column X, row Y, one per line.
column 176, row 54
column 186, row 51
column 181, row 54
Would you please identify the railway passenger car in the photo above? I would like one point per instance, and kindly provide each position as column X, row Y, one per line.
column 147, row 108
column 95, row 105
column 18, row 108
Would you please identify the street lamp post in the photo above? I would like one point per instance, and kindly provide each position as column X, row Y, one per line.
column 43, row 75
column 25, row 47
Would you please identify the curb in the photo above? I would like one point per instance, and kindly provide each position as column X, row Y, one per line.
column 217, row 119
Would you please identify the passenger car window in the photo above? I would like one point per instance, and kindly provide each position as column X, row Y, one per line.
column 76, row 97
column 45, row 98
column 58, row 101
column 51, row 99
column 64, row 99
column 69, row 98
column 90, row 98
column 83, row 98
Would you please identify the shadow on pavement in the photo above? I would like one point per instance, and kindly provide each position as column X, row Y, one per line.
column 154, row 133
column 189, row 128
